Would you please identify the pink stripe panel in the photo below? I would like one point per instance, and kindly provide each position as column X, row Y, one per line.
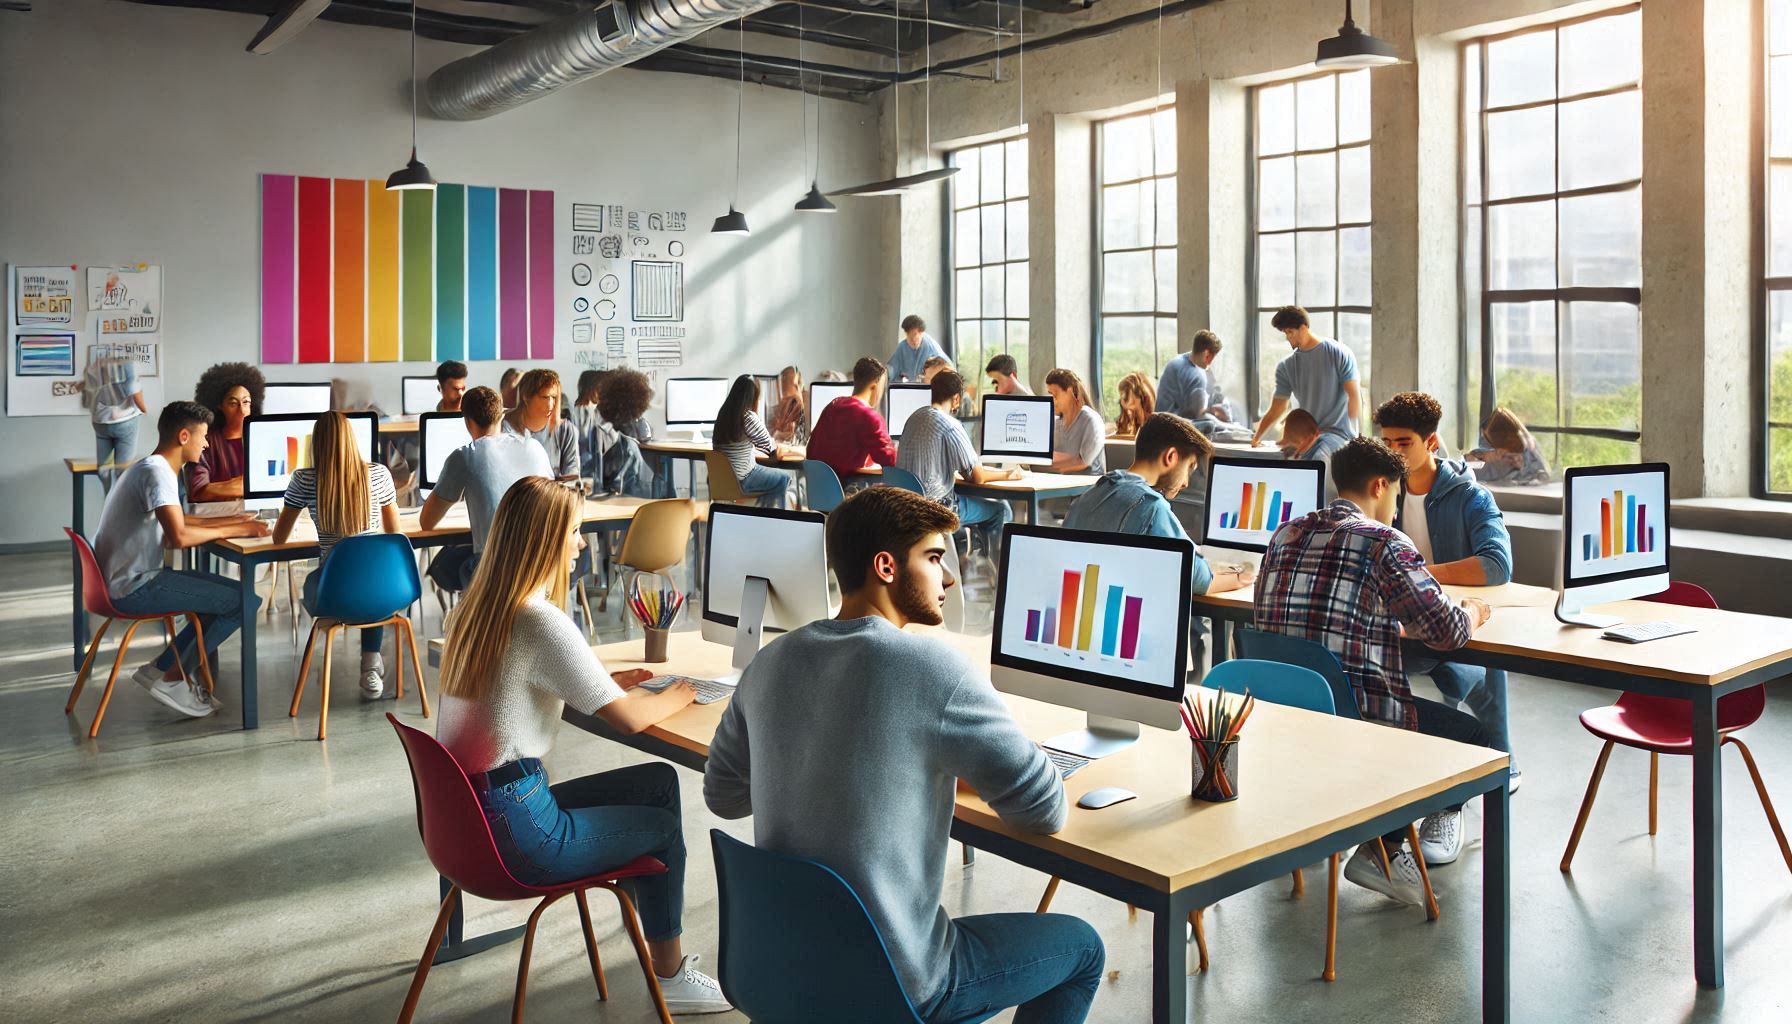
column 278, row 281
column 541, row 275
column 513, row 273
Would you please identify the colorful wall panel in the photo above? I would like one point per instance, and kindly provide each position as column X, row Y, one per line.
column 351, row 272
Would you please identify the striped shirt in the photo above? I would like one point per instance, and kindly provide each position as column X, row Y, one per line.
column 741, row 454
column 110, row 382
column 936, row 449
column 301, row 492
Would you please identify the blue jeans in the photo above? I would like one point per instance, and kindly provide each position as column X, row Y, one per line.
column 571, row 830
column 217, row 599
column 1483, row 690
column 114, row 443
column 371, row 637
column 1049, row 965
column 984, row 512
column 772, row 482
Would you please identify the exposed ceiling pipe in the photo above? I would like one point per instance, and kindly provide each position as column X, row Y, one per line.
column 570, row 50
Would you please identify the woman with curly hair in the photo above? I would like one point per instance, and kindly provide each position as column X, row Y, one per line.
column 1138, row 400
column 623, row 403
column 231, row 391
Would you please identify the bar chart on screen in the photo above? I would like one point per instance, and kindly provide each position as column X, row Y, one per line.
column 1089, row 622
column 1259, row 508
column 298, row 456
column 1625, row 528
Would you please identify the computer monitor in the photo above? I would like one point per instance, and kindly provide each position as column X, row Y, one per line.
column 694, row 401
column 901, row 401
column 1018, row 428
column 1096, row 621
column 276, row 445
column 822, row 392
column 421, row 395
column 1248, row 500
column 1614, row 538
column 438, row 433
column 278, row 399
column 763, row 568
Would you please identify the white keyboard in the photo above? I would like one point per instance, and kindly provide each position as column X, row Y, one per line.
column 1643, row 632
column 708, row 690
column 1068, row 764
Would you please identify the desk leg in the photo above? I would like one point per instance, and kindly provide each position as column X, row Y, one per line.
column 1496, row 908
column 77, row 520
column 246, row 587
column 1707, row 844
column 1169, row 962
column 1032, row 508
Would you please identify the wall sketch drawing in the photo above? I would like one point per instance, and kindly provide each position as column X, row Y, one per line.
column 45, row 295
column 581, row 304
column 586, row 217
column 128, row 299
column 640, row 243
column 606, row 310
column 584, row 245
column 142, row 352
column 615, row 218
column 658, row 290
column 656, row 222
column 581, row 274
column 658, row 351
column 610, row 247
column 613, row 341
column 675, row 220
column 675, row 248
column 48, row 354
column 634, row 221
column 581, row 331
column 608, row 284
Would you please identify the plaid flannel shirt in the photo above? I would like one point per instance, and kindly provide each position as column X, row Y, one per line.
column 1339, row 578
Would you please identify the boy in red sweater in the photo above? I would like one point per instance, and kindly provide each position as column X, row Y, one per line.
column 850, row 435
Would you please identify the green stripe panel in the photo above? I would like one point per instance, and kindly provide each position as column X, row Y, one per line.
column 417, row 223
column 451, row 272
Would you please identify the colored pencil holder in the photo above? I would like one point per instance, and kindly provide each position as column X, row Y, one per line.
column 1214, row 772
column 656, row 644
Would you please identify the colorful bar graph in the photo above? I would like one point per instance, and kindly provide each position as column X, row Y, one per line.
column 1067, row 607
column 1032, row 626
column 1259, row 508
column 277, row 264
column 1049, row 628
column 1085, row 630
column 1071, row 623
column 1624, row 529
column 1129, row 633
column 1110, row 632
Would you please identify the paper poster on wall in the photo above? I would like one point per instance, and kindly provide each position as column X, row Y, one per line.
column 44, row 295
column 144, row 352
column 125, row 299
column 44, row 354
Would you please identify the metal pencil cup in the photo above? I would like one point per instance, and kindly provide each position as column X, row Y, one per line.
column 1214, row 771
column 656, row 644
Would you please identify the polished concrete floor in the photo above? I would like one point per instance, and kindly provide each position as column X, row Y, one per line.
column 181, row 870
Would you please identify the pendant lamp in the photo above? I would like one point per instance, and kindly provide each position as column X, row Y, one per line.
column 412, row 175
column 902, row 183
column 814, row 202
column 1353, row 48
column 734, row 222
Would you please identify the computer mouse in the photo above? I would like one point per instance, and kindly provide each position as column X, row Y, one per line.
column 1106, row 796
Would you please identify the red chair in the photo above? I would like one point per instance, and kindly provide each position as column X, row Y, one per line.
column 460, row 845
column 98, row 601
column 1662, row 725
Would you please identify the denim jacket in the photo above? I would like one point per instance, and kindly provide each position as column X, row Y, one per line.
column 1122, row 502
column 1464, row 520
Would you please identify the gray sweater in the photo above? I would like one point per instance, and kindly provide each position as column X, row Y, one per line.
column 844, row 742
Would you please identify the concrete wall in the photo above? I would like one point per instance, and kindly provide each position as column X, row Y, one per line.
column 137, row 133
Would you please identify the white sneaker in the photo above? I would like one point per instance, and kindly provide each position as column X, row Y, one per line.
column 148, row 676
column 177, row 694
column 1364, row 868
column 1440, row 838
column 692, row 991
column 209, row 698
column 372, row 685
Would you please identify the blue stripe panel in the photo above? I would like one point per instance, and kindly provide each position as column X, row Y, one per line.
column 482, row 273
column 451, row 267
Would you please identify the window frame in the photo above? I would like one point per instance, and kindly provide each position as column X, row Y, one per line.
column 1100, row 251
column 1761, row 484
column 949, row 255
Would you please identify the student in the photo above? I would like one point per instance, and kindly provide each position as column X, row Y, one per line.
column 913, row 351
column 1459, row 531
column 114, row 402
column 1077, row 444
column 1004, row 373
column 479, row 471
column 1190, row 389
column 741, row 436
column 790, row 417
column 937, row 450
column 231, row 391
column 507, row 386
column 933, row 367
column 623, row 400
column 792, row 751
column 1136, row 500
column 587, row 421
column 451, row 384
column 345, row 495
column 537, row 415
column 1138, row 400
column 1508, row 453
column 1320, row 375
column 1302, row 438
column 141, row 519
column 1344, row 577
column 850, row 434
column 512, row 661
column 612, row 462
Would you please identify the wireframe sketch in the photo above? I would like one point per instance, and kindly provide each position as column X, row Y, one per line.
column 658, row 290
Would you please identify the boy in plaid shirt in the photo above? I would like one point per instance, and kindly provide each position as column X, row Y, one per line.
column 1345, row 578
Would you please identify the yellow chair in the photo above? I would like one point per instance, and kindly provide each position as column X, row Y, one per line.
column 723, row 484
column 655, row 541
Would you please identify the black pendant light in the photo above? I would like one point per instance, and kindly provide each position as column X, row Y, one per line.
column 1353, row 48
column 902, row 183
column 814, row 202
column 412, row 175
column 734, row 222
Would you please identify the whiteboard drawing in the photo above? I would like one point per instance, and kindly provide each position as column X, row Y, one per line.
column 581, row 331
column 675, row 220
column 655, row 222
column 658, row 290
column 586, row 217
column 608, row 284
column 584, row 245
column 610, row 247
column 634, row 220
column 581, row 274
column 675, row 248
column 606, row 310
column 580, row 304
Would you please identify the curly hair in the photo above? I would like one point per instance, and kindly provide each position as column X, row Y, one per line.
column 1410, row 410
column 223, row 378
column 625, row 397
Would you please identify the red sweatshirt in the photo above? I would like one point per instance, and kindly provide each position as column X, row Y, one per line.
column 849, row 435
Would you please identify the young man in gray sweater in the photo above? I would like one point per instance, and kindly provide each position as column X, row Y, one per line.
column 845, row 741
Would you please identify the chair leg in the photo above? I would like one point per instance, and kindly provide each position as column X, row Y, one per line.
column 292, row 600
column 1586, row 805
column 1773, row 820
column 429, row 954
column 205, row 665
column 633, row 925
column 394, row 624
column 597, row 966
column 298, row 689
column 1387, row 868
column 1051, row 890
column 1300, row 885
column 522, row 967
column 410, row 637
column 1196, row 918
column 93, row 648
column 1331, row 922
column 93, row 731
column 1654, row 786
column 585, row 606
column 323, row 711
column 168, row 626
column 1418, row 855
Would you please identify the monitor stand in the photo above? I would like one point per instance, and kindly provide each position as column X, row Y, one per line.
column 699, row 434
column 749, row 627
column 1571, row 612
column 1102, row 736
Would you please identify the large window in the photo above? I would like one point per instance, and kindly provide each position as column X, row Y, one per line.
column 1553, row 234
column 1135, row 320
column 1779, row 248
column 1310, row 149
column 989, row 255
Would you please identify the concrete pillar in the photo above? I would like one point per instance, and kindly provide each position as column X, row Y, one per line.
column 1060, row 238
column 1701, row 74
column 1213, row 221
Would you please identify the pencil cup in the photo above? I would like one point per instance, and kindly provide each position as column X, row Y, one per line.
column 656, row 644
column 1214, row 771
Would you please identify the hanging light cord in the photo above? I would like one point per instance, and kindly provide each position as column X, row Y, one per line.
column 1020, row 12
column 413, row 79
column 801, row 88
column 740, row 97
column 927, row 73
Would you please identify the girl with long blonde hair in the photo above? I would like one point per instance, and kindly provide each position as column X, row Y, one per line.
column 345, row 495
column 1138, row 400
column 513, row 660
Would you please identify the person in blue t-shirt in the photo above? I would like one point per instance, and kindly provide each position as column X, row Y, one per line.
column 1320, row 375
column 1190, row 389
column 913, row 351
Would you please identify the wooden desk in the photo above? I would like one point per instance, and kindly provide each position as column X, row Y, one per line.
column 1031, row 488
column 694, row 452
column 1731, row 651
column 78, row 472
column 1166, row 852
column 400, row 425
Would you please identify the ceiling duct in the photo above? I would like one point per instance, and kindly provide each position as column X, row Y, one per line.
column 570, row 50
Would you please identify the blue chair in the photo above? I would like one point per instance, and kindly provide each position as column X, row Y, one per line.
column 825, row 490
column 368, row 580
column 1309, row 654
column 1274, row 683
column 784, row 915
column 897, row 477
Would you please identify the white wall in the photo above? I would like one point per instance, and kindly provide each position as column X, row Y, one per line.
column 137, row 133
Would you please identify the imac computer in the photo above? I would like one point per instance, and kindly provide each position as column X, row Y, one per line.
column 279, row 399
column 763, row 568
column 692, row 403
column 420, row 395
column 1248, row 500
column 277, row 444
column 1017, row 429
column 438, row 433
column 1096, row 621
column 901, row 401
column 822, row 392
column 1614, row 539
